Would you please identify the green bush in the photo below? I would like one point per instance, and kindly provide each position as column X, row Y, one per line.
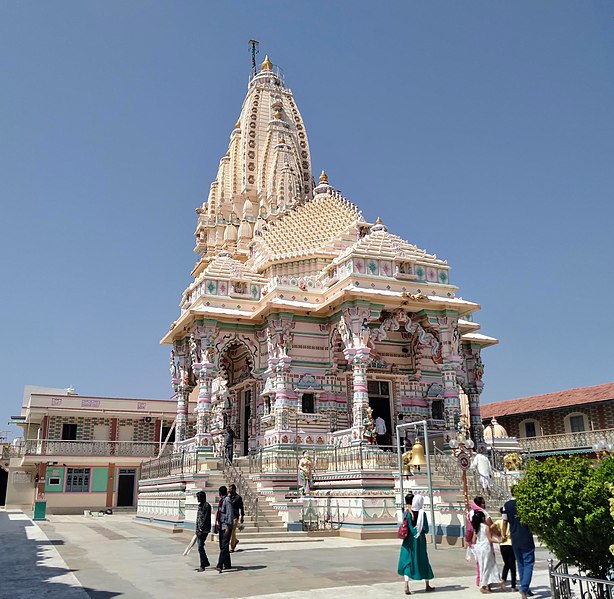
column 565, row 502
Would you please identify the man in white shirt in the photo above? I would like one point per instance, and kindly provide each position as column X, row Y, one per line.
column 380, row 430
column 482, row 464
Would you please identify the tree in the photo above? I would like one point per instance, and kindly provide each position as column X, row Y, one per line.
column 564, row 501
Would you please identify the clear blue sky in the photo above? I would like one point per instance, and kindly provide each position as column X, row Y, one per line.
column 481, row 131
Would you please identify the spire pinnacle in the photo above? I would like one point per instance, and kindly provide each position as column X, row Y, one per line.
column 323, row 177
column 266, row 65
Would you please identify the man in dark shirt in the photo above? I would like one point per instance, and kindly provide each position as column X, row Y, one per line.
column 238, row 512
column 223, row 525
column 203, row 527
column 522, row 544
column 229, row 441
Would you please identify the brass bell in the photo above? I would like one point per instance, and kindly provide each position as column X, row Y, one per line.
column 417, row 458
column 406, row 460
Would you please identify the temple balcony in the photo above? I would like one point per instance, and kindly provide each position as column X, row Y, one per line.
column 581, row 442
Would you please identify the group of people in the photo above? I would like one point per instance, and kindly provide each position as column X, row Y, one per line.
column 514, row 538
column 516, row 544
column 228, row 521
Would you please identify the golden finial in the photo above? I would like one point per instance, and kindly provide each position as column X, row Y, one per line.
column 228, row 153
column 277, row 114
column 266, row 65
column 282, row 140
column 323, row 177
column 378, row 221
column 238, row 124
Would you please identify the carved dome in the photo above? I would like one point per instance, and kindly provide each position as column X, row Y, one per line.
column 497, row 429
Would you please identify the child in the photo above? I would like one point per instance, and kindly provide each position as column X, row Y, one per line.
column 484, row 553
column 507, row 553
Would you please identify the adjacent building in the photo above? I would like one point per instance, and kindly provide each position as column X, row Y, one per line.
column 563, row 422
column 80, row 452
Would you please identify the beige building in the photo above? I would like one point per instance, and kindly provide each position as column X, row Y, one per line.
column 81, row 452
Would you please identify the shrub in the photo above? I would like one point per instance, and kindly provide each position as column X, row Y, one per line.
column 564, row 501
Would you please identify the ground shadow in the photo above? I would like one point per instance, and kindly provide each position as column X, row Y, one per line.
column 31, row 566
column 241, row 568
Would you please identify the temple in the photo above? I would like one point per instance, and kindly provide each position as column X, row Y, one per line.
column 304, row 321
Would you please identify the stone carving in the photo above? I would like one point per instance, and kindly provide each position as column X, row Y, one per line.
column 305, row 474
column 512, row 462
column 173, row 365
column 478, row 368
column 425, row 339
column 194, row 353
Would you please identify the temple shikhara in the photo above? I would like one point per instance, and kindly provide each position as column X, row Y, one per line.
column 304, row 322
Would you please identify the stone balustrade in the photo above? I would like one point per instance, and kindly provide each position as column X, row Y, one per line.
column 565, row 441
column 54, row 447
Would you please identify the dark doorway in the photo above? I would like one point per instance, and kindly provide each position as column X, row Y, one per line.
column 308, row 404
column 247, row 414
column 125, row 487
column 4, row 478
column 379, row 400
column 165, row 430
column 69, row 432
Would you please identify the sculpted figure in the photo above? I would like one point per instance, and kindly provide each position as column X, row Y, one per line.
column 346, row 334
column 193, row 349
column 305, row 472
column 173, row 366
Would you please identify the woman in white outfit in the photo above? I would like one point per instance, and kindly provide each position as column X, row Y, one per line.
column 484, row 553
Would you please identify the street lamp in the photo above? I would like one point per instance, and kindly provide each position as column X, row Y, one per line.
column 462, row 449
column 602, row 448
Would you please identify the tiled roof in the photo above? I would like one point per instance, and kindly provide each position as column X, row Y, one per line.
column 549, row 401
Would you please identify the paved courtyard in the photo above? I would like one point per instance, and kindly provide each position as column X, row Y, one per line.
column 74, row 557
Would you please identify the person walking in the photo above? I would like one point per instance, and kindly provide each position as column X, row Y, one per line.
column 522, row 544
column 229, row 442
column 202, row 528
column 413, row 559
column 223, row 525
column 238, row 513
column 481, row 463
column 483, row 540
column 507, row 554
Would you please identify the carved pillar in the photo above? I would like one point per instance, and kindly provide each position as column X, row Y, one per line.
column 477, row 429
column 181, row 384
column 359, row 357
column 203, row 408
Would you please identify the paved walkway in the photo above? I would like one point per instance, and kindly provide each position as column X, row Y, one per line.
column 76, row 557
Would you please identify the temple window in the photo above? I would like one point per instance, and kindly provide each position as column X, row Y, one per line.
column 69, row 432
column 437, row 409
column 267, row 405
column 308, row 403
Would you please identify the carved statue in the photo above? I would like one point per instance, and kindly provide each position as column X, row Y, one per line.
column 368, row 423
column 193, row 349
column 479, row 368
column 364, row 332
column 455, row 341
column 346, row 334
column 305, row 473
column 512, row 462
column 173, row 365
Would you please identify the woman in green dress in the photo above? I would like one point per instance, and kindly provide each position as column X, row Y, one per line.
column 413, row 560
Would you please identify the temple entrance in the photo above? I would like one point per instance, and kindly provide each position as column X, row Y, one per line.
column 247, row 414
column 379, row 401
column 236, row 366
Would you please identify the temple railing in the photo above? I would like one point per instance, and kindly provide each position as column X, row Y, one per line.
column 446, row 465
column 326, row 458
column 54, row 447
column 250, row 498
column 173, row 464
column 564, row 585
column 581, row 440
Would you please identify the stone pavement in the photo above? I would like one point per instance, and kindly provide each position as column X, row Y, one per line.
column 76, row 557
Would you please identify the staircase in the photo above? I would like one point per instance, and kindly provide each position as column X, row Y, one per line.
column 261, row 520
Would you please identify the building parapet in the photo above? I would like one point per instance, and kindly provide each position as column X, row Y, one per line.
column 53, row 447
column 566, row 442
